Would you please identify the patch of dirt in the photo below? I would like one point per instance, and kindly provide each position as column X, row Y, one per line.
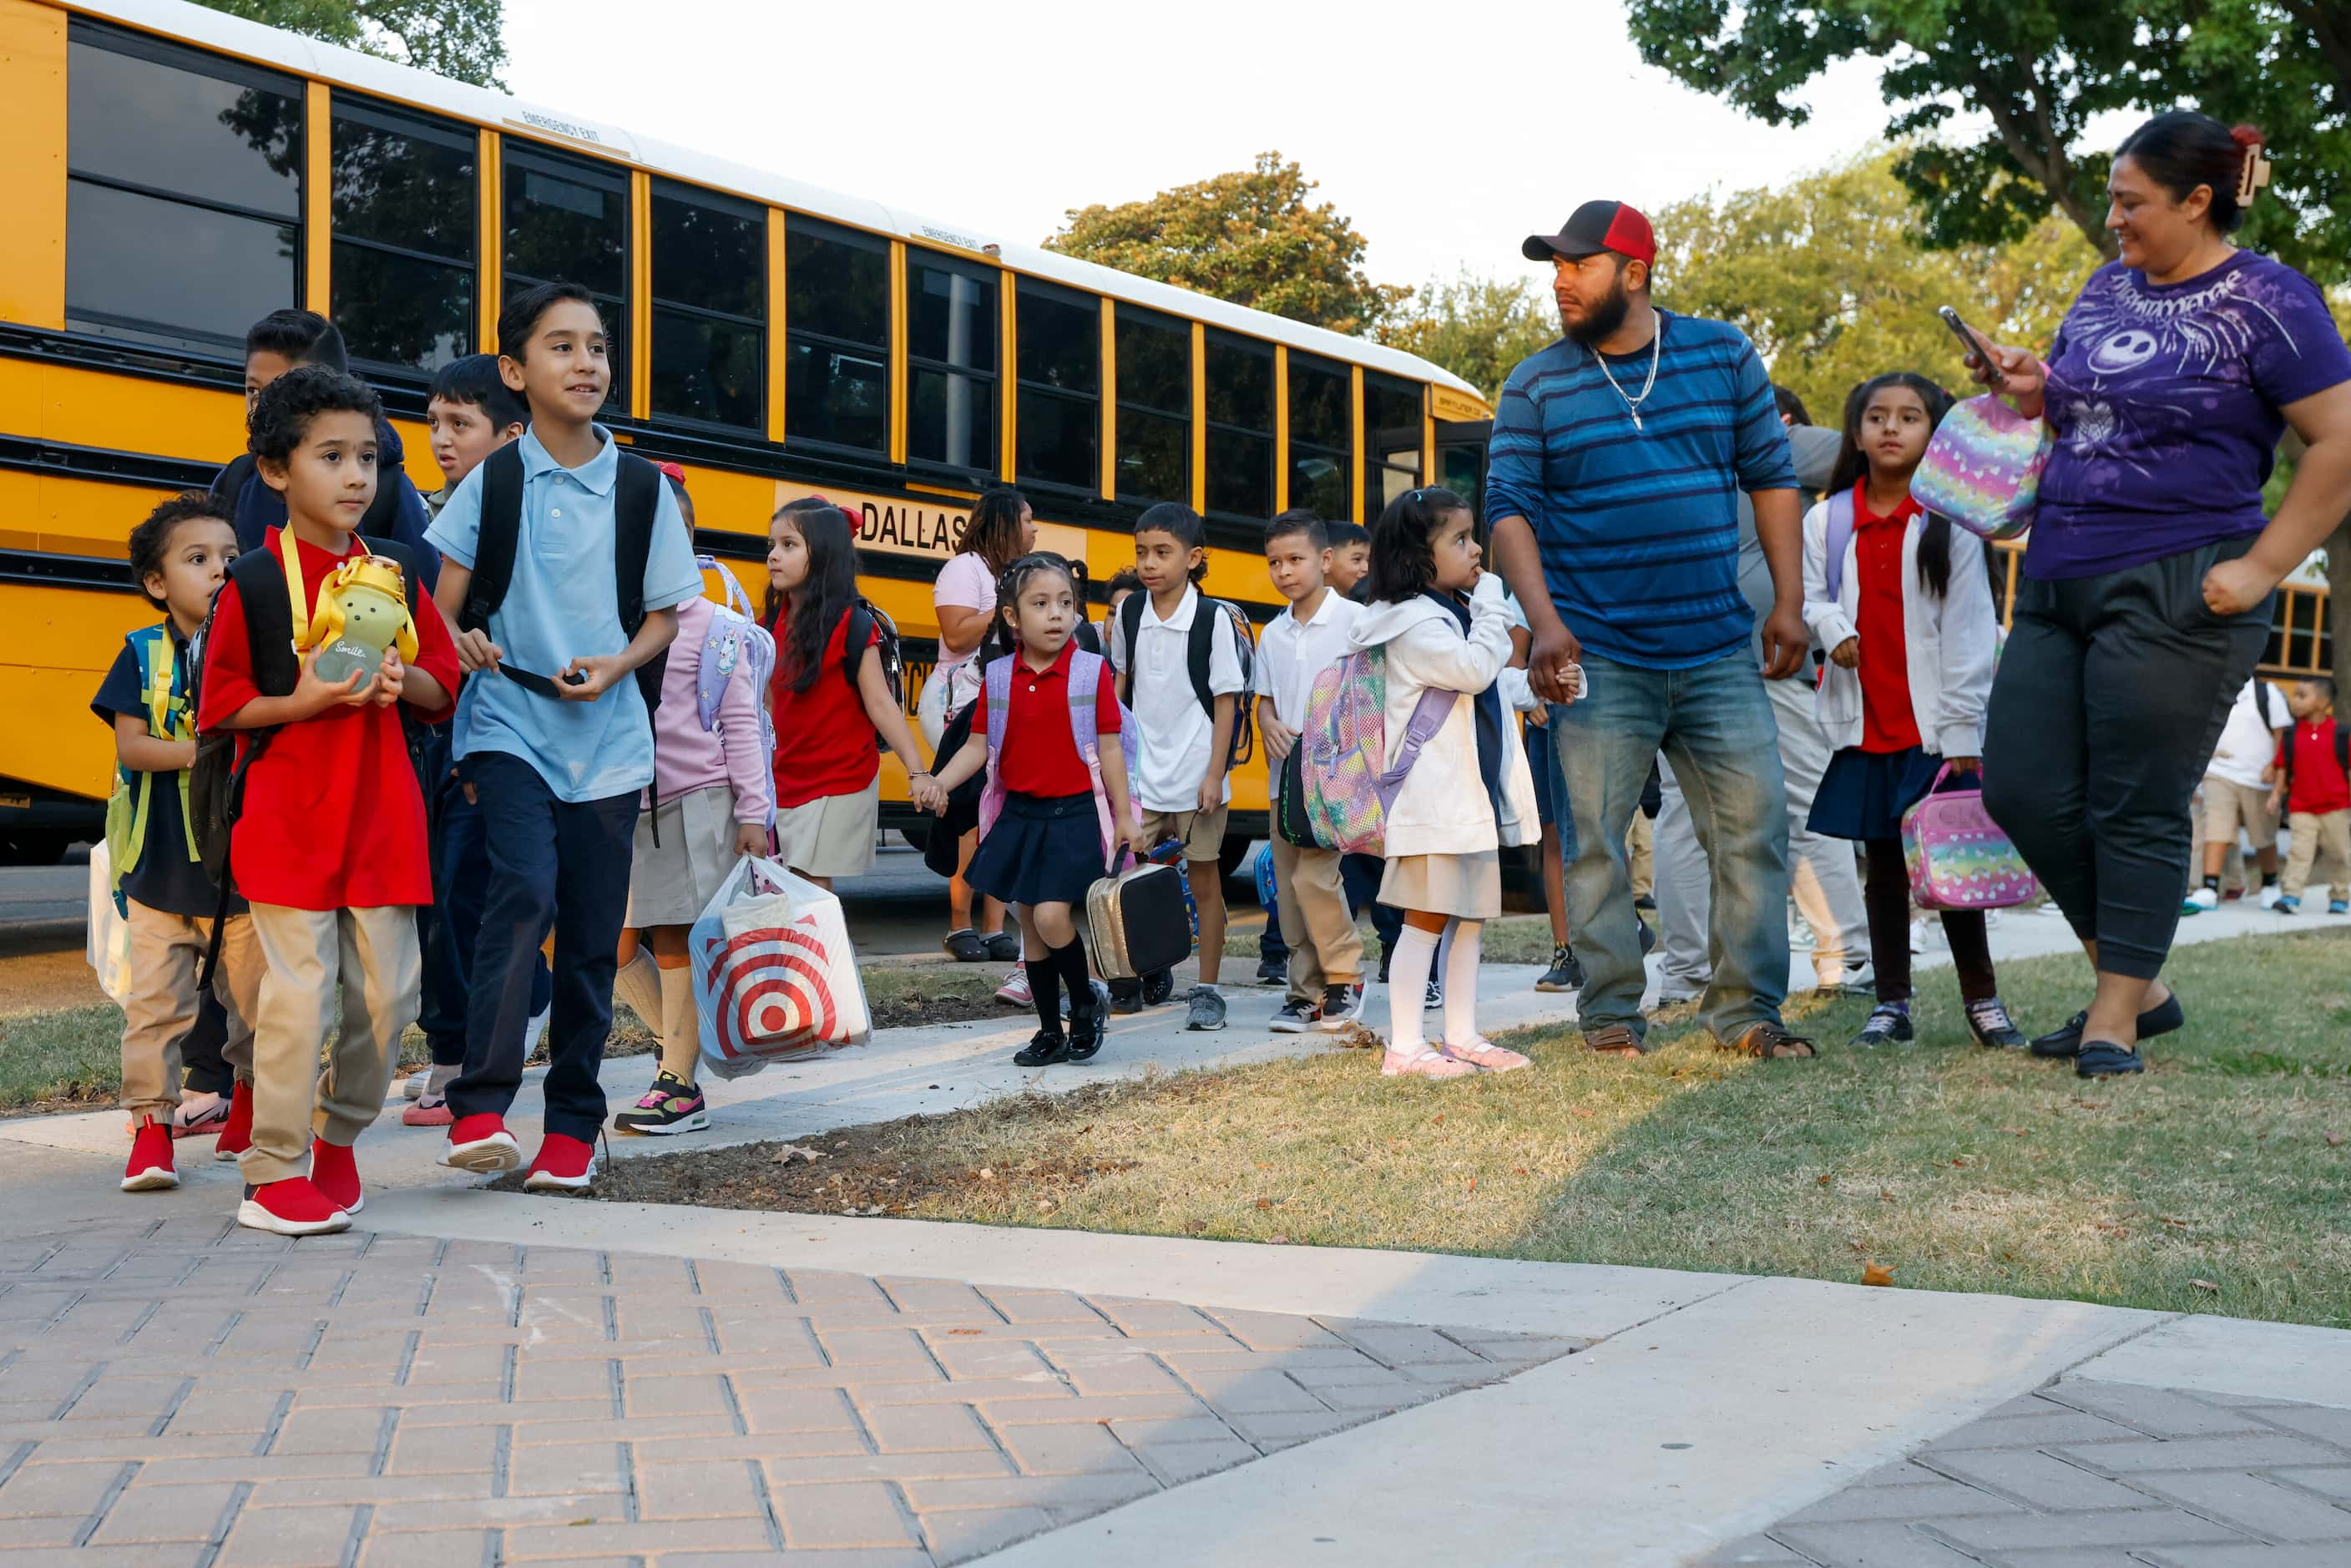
column 862, row 1170
column 916, row 1004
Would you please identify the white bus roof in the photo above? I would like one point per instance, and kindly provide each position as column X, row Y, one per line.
column 495, row 110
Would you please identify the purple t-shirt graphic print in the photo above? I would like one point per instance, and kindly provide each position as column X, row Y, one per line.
column 2166, row 400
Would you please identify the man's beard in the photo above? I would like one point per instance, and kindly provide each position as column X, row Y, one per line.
column 1605, row 319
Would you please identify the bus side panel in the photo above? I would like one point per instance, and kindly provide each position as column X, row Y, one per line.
column 32, row 174
column 56, row 645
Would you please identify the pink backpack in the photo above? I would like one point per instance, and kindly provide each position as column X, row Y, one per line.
column 1086, row 672
column 1957, row 855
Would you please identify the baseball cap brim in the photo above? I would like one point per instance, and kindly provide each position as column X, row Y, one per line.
column 1543, row 247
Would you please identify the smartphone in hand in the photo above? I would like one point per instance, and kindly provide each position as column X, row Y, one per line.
column 1974, row 347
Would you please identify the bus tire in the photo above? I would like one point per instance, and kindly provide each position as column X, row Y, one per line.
column 1230, row 853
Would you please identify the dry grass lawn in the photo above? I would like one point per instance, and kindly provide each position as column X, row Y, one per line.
column 2218, row 1181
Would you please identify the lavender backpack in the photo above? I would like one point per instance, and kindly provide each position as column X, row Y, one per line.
column 1086, row 672
column 1957, row 855
column 1982, row 470
column 734, row 636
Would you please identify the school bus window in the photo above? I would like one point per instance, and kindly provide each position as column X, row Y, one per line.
column 1392, row 429
column 710, row 293
column 837, row 342
column 184, row 193
column 1240, row 426
column 1155, row 406
column 951, row 340
column 1320, row 437
column 1060, row 431
column 568, row 219
column 404, row 225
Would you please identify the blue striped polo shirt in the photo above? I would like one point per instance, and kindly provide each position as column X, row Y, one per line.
column 1639, row 528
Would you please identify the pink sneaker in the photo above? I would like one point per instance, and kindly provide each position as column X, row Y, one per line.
column 1483, row 1053
column 1425, row 1063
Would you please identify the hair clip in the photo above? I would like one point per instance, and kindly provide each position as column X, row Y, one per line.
column 2253, row 175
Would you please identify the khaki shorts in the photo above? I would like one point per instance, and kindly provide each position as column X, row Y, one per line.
column 1203, row 832
column 2228, row 805
column 831, row 835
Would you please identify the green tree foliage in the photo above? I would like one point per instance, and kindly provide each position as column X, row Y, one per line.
column 1478, row 328
column 2040, row 70
column 461, row 40
column 1253, row 238
column 1832, row 277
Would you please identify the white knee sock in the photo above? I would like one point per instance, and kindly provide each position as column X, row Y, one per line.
column 638, row 983
column 681, row 1027
column 1408, row 966
column 1462, row 944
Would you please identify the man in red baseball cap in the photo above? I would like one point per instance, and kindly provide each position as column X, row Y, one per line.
column 1593, row 258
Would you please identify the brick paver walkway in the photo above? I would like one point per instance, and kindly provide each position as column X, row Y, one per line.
column 2096, row 1475
column 213, row 1397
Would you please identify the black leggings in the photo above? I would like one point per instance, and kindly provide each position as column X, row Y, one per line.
column 2110, row 697
column 1886, row 896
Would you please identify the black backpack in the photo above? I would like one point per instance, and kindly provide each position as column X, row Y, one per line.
column 636, row 501
column 865, row 620
column 1196, row 651
column 216, row 777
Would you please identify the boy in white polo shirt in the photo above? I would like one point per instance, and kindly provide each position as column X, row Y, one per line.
column 1186, row 723
column 1326, row 952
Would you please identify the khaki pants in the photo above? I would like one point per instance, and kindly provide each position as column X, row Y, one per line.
column 2312, row 832
column 369, row 957
column 167, row 954
column 1640, row 852
column 1325, row 949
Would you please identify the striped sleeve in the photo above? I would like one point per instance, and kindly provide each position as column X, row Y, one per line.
column 1514, row 454
column 1764, row 461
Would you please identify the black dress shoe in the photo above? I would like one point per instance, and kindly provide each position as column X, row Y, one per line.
column 2105, row 1059
column 2158, row 1021
column 1045, row 1048
column 1089, row 1029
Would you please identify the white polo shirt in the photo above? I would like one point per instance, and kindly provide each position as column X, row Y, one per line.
column 1175, row 730
column 1292, row 653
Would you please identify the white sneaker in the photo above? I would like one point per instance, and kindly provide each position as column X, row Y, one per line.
column 2203, row 898
column 2267, row 898
column 413, row 1087
column 1918, row 936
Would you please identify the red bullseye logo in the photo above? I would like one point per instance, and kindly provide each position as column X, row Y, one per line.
column 768, row 994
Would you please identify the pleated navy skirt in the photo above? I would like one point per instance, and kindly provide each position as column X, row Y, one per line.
column 1863, row 793
column 1043, row 850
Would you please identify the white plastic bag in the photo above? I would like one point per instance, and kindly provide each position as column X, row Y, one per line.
column 775, row 979
column 108, row 945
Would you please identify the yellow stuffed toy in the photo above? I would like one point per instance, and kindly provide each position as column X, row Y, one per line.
column 364, row 610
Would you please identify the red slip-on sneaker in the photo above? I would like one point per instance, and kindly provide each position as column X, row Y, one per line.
column 335, row 1175
column 149, row 1169
column 236, row 1132
column 564, row 1165
column 482, row 1144
column 290, row 1207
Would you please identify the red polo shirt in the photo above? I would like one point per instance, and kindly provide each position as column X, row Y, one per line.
column 333, row 818
column 1886, row 722
column 2319, row 786
column 1040, row 753
column 824, row 737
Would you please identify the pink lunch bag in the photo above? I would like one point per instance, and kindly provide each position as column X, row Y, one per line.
column 1957, row 857
column 1982, row 469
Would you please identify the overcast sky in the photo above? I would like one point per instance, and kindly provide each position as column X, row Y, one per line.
column 1447, row 130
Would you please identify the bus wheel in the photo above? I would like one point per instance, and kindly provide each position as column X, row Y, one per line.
column 33, row 847
column 1230, row 853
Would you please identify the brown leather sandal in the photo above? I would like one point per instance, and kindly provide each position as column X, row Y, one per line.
column 1773, row 1043
column 1614, row 1039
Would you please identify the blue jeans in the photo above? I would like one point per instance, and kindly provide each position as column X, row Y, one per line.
column 448, row 930
column 552, row 862
column 1715, row 724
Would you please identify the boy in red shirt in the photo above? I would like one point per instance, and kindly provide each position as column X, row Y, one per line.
column 329, row 846
column 2316, row 789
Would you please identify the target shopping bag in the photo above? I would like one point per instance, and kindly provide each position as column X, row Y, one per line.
column 775, row 979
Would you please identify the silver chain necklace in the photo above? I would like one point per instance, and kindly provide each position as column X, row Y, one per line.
column 1633, row 404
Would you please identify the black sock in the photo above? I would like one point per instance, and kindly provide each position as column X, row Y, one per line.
column 1071, row 961
column 2269, row 879
column 2213, row 883
column 1045, row 987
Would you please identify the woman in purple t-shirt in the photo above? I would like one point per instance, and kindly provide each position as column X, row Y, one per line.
column 2148, row 583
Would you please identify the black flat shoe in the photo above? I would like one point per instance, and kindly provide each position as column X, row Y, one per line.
column 1046, row 1047
column 1089, row 1029
column 2105, row 1059
column 2158, row 1021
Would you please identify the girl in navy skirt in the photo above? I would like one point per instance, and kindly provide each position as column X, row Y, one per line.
column 1902, row 601
column 1057, row 810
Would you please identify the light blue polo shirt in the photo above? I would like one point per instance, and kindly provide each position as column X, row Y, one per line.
column 562, row 604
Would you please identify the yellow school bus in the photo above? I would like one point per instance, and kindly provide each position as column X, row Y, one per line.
column 173, row 173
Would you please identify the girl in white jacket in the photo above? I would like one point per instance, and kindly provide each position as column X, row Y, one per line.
column 1444, row 625
column 1902, row 601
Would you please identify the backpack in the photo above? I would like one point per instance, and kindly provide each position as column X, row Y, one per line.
column 735, row 638
column 636, row 506
column 215, row 779
column 1197, row 652
column 869, row 624
column 1351, row 773
column 1840, row 506
column 163, row 682
column 1085, row 691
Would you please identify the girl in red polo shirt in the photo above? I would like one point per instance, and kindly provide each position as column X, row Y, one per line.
column 1053, row 815
column 828, row 707
column 1903, row 602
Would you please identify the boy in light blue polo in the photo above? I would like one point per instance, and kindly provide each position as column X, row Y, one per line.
column 553, row 727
